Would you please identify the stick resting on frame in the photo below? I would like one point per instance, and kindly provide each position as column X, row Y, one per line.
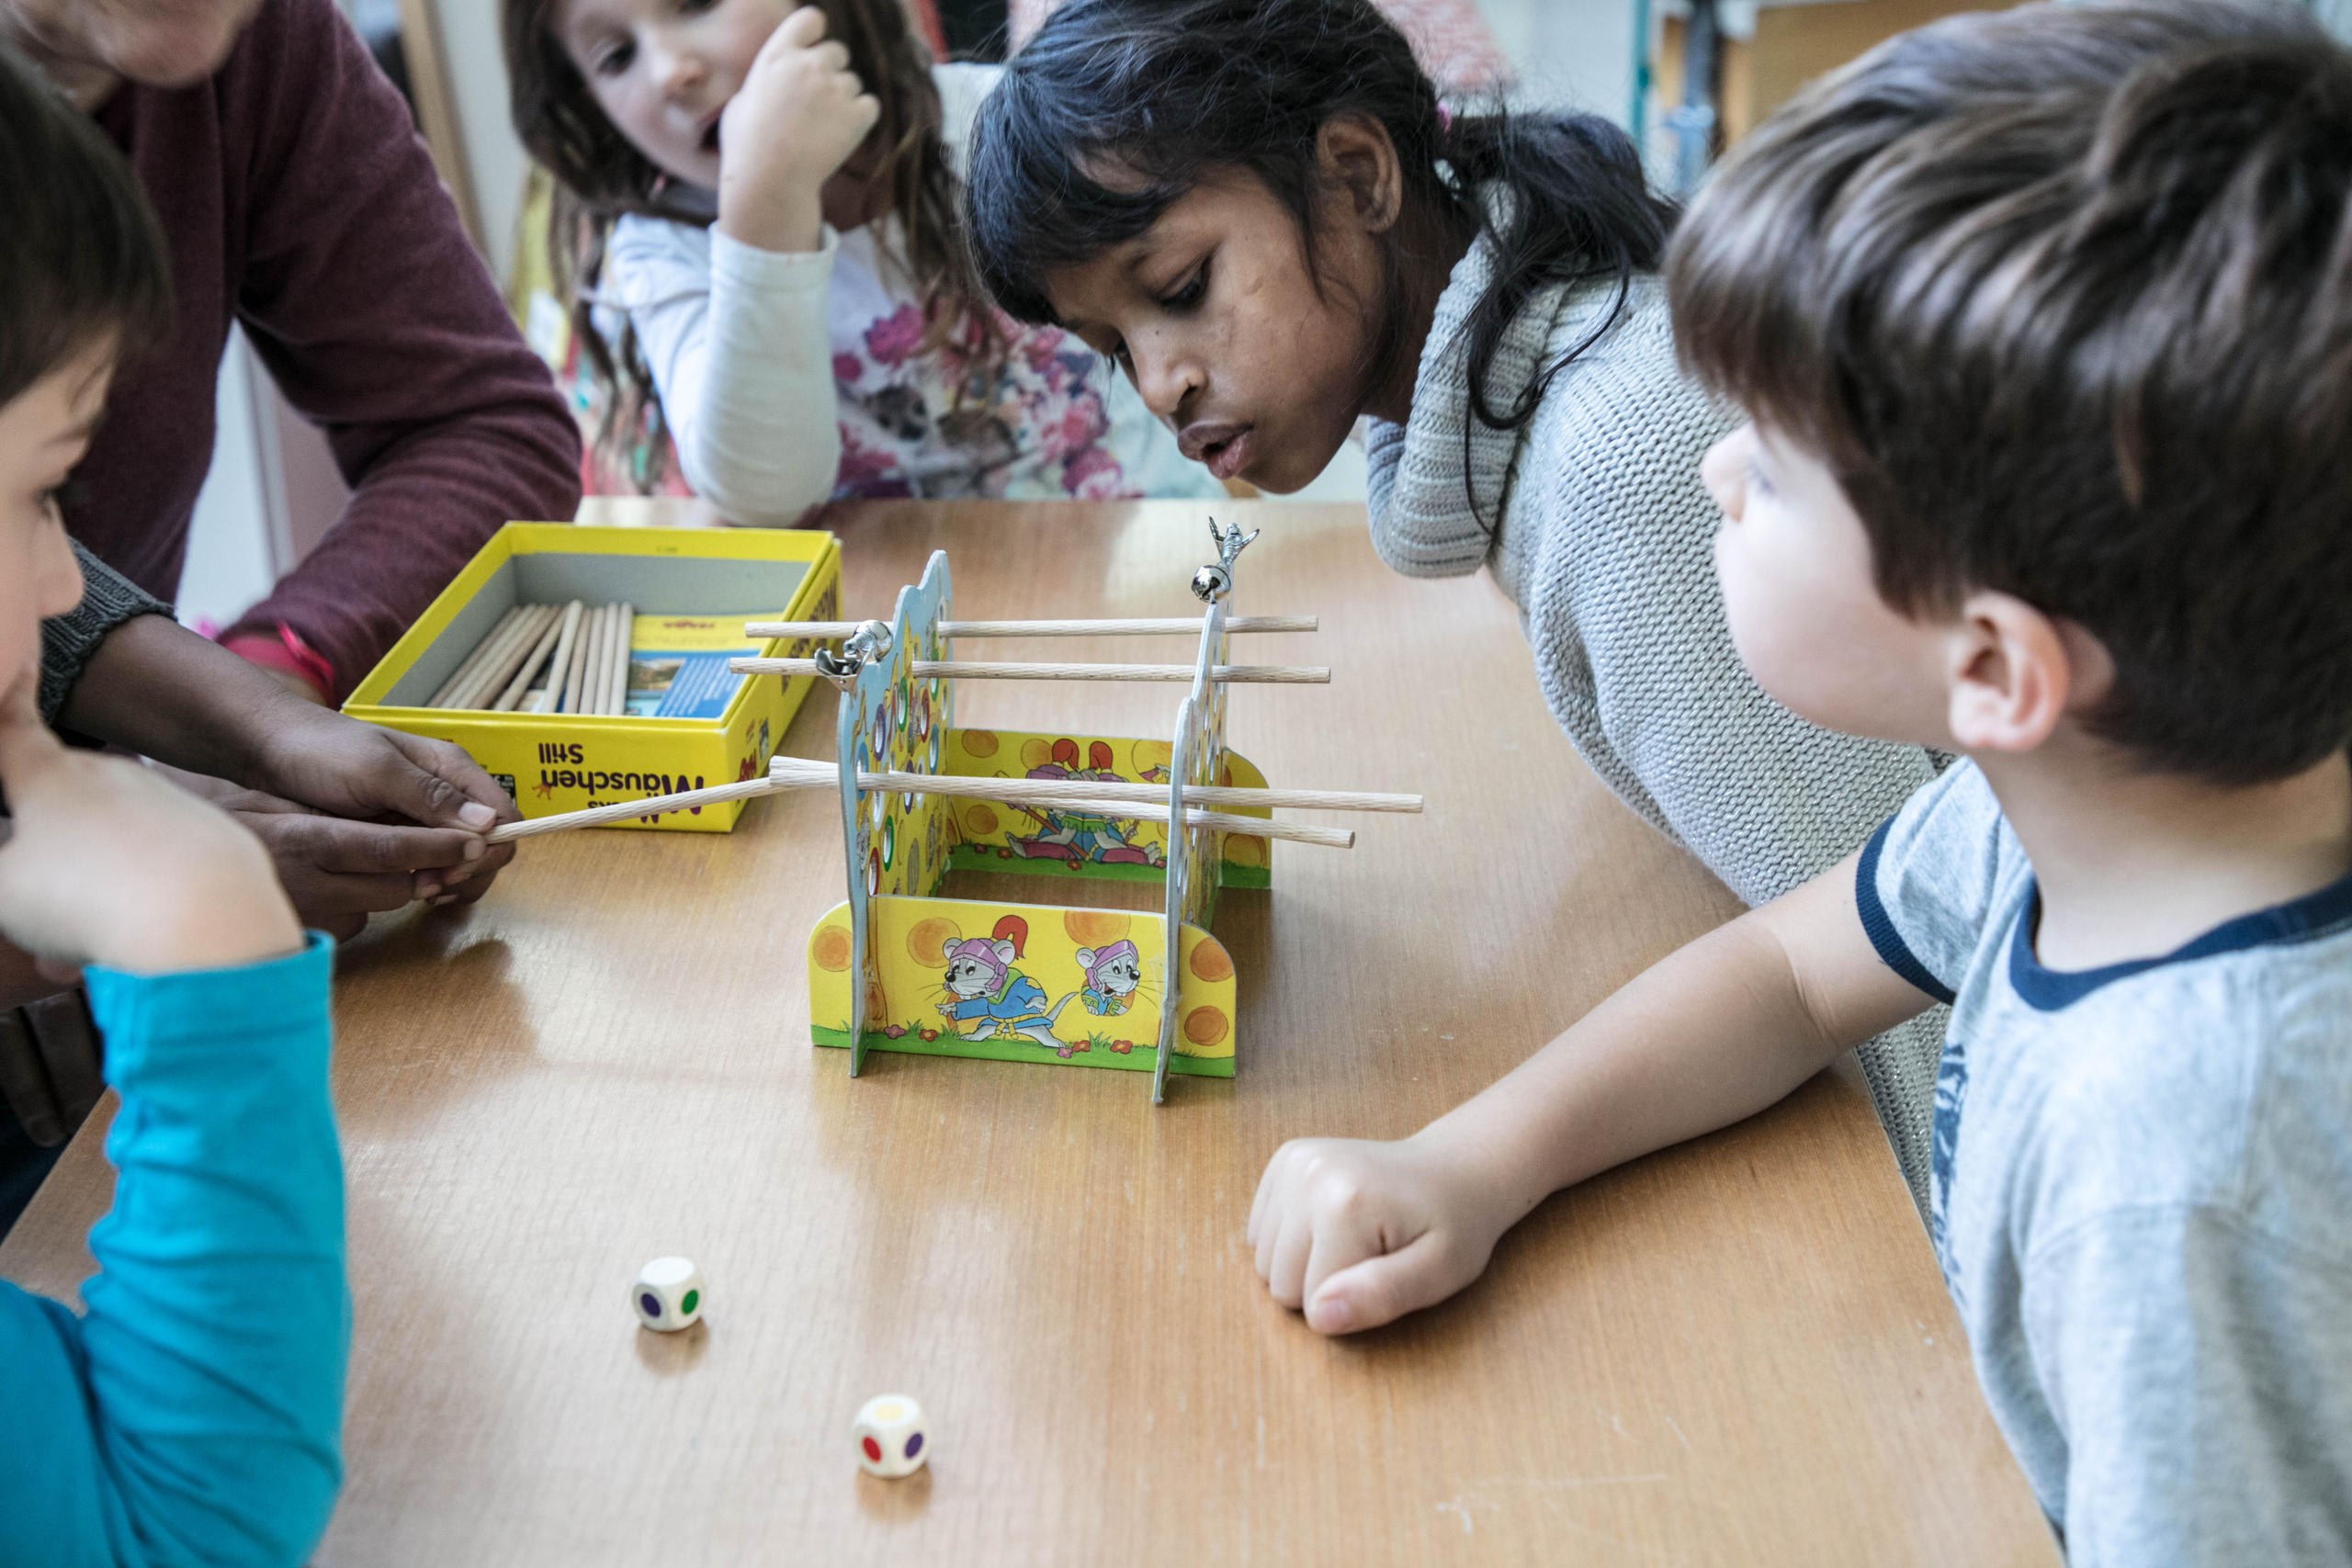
column 793, row 773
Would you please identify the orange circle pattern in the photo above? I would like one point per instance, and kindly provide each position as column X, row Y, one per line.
column 927, row 940
column 1204, row 1026
column 829, row 948
column 980, row 821
column 1096, row 928
column 979, row 742
column 1210, row 962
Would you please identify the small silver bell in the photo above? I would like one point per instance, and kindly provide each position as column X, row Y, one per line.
column 1211, row 583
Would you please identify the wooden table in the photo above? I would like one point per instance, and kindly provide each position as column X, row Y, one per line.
column 1737, row 1351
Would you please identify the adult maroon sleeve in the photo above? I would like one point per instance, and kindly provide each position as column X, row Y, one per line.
column 379, row 323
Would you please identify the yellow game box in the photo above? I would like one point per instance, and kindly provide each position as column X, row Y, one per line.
column 689, row 722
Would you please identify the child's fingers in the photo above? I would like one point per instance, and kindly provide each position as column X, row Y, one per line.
column 1287, row 1266
column 800, row 30
column 1345, row 1237
column 1383, row 1289
column 1269, row 1185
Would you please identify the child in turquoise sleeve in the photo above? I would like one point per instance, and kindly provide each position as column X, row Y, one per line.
column 193, row 1413
column 2043, row 322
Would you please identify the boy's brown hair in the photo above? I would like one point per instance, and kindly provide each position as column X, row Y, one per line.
column 2064, row 297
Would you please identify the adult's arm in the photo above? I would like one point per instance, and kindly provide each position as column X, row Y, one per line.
column 68, row 642
column 194, row 1415
column 356, row 817
column 378, row 321
column 740, row 352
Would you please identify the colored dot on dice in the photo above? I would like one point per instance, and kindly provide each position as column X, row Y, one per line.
column 873, row 1449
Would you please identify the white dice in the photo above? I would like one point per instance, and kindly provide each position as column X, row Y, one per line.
column 668, row 1294
column 892, row 1439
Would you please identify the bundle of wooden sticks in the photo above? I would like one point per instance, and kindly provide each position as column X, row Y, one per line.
column 547, row 659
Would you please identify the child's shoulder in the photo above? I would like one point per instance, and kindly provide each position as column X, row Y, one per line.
column 2219, row 1079
column 1621, row 407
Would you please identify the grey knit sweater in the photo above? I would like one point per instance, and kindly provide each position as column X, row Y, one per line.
column 1599, row 530
column 68, row 641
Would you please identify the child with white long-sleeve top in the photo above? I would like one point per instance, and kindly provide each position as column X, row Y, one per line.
column 799, row 310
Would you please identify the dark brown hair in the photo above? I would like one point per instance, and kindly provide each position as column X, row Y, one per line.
column 600, row 176
column 2064, row 297
column 81, row 259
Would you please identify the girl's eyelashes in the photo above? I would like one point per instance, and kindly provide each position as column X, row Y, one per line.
column 612, row 62
column 1190, row 293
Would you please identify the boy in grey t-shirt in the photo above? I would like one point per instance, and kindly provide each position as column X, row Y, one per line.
column 2043, row 320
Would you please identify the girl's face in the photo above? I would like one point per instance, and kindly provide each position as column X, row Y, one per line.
column 43, row 433
column 663, row 69
column 1213, row 314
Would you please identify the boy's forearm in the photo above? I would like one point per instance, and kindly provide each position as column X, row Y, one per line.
column 1711, row 1035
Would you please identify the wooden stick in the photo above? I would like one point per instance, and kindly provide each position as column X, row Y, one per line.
column 583, row 651
column 622, row 811
column 958, row 670
column 492, row 676
column 807, row 774
column 560, row 668
column 1240, row 827
column 1171, row 625
column 473, row 661
column 530, row 665
column 617, row 697
column 592, row 666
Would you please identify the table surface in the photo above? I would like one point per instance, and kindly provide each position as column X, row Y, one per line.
column 1737, row 1350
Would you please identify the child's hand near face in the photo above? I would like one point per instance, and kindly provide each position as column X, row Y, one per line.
column 800, row 114
column 110, row 865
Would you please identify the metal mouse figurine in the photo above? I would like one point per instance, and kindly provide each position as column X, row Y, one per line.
column 869, row 642
column 1213, row 581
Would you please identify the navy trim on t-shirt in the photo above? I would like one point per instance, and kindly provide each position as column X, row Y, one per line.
column 1892, row 950
column 2317, row 914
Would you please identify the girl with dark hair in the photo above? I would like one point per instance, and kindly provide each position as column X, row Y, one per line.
column 757, row 224
column 1260, row 210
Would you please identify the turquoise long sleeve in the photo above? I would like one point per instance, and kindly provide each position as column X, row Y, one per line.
column 194, row 1414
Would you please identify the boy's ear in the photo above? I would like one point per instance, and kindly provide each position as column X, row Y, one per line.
column 1354, row 157
column 2015, row 671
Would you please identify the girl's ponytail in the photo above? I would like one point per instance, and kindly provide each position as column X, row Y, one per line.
column 1576, row 207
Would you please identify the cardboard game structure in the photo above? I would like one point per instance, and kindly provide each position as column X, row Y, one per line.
column 895, row 967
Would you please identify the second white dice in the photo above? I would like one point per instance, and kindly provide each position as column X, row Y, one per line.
column 892, row 1438
column 668, row 1294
